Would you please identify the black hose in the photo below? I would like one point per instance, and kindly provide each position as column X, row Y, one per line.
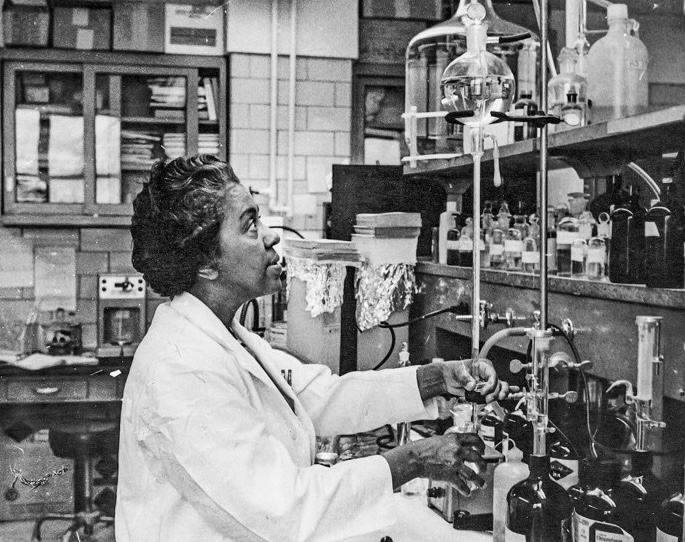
column 288, row 228
column 392, row 347
column 512, row 38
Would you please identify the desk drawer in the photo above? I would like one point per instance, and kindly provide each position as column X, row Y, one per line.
column 47, row 390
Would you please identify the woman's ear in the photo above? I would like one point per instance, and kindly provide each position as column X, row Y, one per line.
column 208, row 273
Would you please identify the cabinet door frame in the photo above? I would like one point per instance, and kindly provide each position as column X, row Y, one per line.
column 11, row 206
column 191, row 121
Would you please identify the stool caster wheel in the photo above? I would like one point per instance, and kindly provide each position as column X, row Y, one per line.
column 11, row 494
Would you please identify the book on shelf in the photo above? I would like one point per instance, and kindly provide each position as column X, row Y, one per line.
column 209, row 98
column 393, row 219
column 170, row 114
column 387, row 231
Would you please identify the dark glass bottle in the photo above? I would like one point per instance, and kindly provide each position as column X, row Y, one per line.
column 585, row 474
column 603, row 511
column 453, row 244
column 564, row 462
column 539, row 509
column 669, row 519
column 664, row 239
column 626, row 258
column 646, row 492
column 609, row 200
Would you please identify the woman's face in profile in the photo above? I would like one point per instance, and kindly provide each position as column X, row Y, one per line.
column 248, row 264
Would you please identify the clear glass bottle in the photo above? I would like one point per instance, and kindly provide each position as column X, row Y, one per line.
column 520, row 221
column 530, row 257
column 503, row 217
column 466, row 244
column 561, row 86
column 578, row 258
column 567, row 233
column 586, row 225
column 664, row 241
column 524, row 106
column 497, row 249
column 427, row 56
column 453, row 243
column 596, row 259
column 669, row 519
column 513, row 248
column 617, row 70
column 626, row 257
column 539, row 509
column 551, row 240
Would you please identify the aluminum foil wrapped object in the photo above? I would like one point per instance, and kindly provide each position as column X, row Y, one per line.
column 381, row 290
column 324, row 283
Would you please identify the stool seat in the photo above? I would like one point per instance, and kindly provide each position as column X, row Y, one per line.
column 88, row 438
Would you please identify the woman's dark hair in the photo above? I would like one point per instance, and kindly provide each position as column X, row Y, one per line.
column 176, row 221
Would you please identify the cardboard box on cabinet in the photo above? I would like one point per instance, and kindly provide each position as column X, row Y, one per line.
column 26, row 25
column 194, row 29
column 82, row 28
column 139, row 26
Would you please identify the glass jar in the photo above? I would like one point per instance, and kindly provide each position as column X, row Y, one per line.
column 596, row 263
column 513, row 247
column 567, row 233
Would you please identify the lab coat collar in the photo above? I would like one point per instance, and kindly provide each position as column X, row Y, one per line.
column 202, row 317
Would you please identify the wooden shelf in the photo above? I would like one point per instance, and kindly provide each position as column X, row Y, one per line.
column 595, row 150
column 628, row 293
column 152, row 120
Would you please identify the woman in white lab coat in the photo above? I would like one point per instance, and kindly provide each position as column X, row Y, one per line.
column 215, row 444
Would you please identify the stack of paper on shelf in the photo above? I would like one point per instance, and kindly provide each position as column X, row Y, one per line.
column 387, row 238
column 137, row 148
column 174, row 145
column 322, row 250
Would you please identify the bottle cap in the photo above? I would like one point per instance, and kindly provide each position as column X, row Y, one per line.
column 617, row 11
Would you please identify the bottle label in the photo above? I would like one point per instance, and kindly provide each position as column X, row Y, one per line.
column 513, row 246
column 453, row 245
column 566, row 237
column 663, row 537
column 530, row 257
column 481, row 245
column 589, row 530
column 596, row 255
column 466, row 244
column 572, row 118
column 651, row 230
column 496, row 250
column 564, row 472
column 511, row 536
column 577, row 254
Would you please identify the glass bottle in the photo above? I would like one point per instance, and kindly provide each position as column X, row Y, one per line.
column 609, row 200
column 604, row 233
column 602, row 511
column 524, row 106
column 567, row 82
column 646, row 493
column 506, row 474
column 564, row 462
column 567, row 233
column 466, row 244
column 520, row 221
column 429, row 53
column 539, row 509
column 453, row 243
column 596, row 259
column 578, row 258
column 497, row 249
column 513, row 247
column 669, row 519
column 617, row 70
column 586, row 225
column 503, row 217
column 626, row 257
column 664, row 241
column 530, row 257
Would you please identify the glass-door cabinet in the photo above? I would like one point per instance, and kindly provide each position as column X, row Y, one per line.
column 80, row 136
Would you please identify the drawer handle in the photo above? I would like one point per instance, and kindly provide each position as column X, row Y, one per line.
column 50, row 390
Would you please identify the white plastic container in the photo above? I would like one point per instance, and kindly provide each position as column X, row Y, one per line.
column 512, row 471
column 617, row 70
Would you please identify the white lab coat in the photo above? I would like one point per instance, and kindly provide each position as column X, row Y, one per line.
column 211, row 451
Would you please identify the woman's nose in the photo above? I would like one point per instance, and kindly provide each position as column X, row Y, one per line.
column 271, row 238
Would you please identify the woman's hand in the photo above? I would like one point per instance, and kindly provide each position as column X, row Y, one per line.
column 447, row 378
column 455, row 458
